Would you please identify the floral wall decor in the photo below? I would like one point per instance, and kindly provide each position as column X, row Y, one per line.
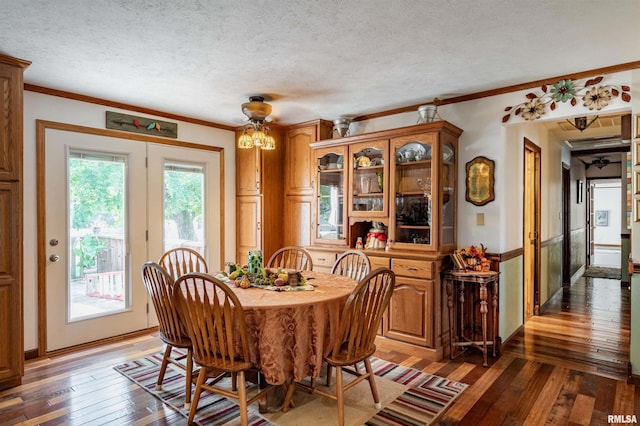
column 591, row 93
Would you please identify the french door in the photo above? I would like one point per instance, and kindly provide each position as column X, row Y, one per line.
column 112, row 204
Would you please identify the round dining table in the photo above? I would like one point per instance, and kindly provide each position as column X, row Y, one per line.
column 290, row 332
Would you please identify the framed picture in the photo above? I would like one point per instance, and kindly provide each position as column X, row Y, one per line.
column 480, row 181
column 602, row 217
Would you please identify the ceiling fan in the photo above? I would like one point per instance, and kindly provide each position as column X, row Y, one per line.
column 600, row 162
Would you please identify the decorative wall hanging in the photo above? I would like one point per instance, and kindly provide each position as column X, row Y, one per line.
column 147, row 126
column 480, row 181
column 602, row 217
column 592, row 95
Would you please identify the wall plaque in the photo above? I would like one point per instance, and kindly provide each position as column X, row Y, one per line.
column 147, row 126
column 480, row 181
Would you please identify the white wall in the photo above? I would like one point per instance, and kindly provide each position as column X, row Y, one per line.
column 44, row 107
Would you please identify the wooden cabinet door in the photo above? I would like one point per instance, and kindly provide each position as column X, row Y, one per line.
column 11, row 226
column 12, row 347
column 248, row 226
column 10, row 122
column 298, row 218
column 409, row 317
column 248, row 172
column 299, row 177
column 330, row 197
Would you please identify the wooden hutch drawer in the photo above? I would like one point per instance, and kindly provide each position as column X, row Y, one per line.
column 323, row 259
column 412, row 268
column 379, row 262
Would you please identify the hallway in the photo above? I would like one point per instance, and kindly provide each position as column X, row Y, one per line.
column 584, row 328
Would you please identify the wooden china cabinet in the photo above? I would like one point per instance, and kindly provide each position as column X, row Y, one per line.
column 399, row 184
column 11, row 225
column 259, row 181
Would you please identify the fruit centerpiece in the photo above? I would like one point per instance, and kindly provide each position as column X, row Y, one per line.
column 263, row 277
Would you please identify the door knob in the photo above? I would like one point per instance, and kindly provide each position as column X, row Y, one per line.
column 54, row 258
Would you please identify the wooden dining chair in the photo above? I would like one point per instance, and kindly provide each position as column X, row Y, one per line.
column 291, row 257
column 214, row 320
column 182, row 260
column 353, row 264
column 159, row 285
column 354, row 341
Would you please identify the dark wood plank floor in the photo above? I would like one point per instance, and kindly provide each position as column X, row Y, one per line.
column 566, row 367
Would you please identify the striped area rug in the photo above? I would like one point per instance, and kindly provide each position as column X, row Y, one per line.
column 421, row 400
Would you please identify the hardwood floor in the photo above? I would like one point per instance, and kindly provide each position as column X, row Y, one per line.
column 566, row 367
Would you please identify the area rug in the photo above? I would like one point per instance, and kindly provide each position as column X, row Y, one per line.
column 602, row 272
column 408, row 397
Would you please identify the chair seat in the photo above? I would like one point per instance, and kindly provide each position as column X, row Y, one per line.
column 177, row 341
column 236, row 366
column 343, row 358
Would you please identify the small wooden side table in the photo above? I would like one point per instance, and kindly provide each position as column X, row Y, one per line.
column 456, row 280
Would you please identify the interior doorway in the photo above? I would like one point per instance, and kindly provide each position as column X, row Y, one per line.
column 531, row 229
column 605, row 217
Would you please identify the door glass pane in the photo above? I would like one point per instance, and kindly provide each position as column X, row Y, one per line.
column 413, row 193
column 96, row 268
column 184, row 206
column 330, row 203
column 368, row 178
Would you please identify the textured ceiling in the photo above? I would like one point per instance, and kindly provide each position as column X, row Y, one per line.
column 313, row 59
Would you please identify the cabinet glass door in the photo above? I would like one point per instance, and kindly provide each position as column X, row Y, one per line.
column 330, row 208
column 448, row 181
column 369, row 179
column 413, row 166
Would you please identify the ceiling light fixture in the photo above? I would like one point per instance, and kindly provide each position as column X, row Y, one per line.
column 599, row 162
column 581, row 123
column 257, row 133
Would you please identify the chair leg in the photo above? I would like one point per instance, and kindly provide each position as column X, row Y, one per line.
column 339, row 396
column 329, row 366
column 372, row 383
column 163, row 367
column 288, row 397
column 189, row 372
column 242, row 399
column 196, row 396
